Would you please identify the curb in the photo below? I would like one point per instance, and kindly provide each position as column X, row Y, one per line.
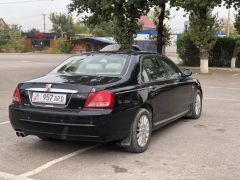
column 213, row 69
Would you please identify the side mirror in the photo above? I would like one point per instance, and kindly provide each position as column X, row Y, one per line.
column 187, row 73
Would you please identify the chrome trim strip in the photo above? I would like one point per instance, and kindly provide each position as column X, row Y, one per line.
column 171, row 118
column 53, row 90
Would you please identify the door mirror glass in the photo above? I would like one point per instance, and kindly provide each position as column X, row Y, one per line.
column 187, row 73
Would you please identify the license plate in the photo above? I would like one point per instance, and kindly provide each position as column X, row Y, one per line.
column 49, row 98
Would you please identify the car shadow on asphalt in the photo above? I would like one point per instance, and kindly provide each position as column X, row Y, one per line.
column 66, row 146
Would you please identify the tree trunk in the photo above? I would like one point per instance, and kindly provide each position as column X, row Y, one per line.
column 160, row 28
column 234, row 58
column 204, row 55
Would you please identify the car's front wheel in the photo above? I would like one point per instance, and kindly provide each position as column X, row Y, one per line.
column 196, row 107
column 140, row 132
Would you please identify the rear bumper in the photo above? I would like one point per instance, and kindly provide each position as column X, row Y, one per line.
column 90, row 125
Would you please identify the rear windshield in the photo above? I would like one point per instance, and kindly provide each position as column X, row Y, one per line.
column 94, row 64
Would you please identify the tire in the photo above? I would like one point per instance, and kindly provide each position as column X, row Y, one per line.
column 196, row 108
column 136, row 145
column 45, row 138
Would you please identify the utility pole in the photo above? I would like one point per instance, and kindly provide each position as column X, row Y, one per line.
column 44, row 22
column 228, row 22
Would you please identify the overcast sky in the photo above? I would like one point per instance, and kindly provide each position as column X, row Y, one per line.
column 29, row 14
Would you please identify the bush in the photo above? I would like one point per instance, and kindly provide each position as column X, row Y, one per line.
column 187, row 51
column 220, row 56
column 61, row 46
column 11, row 40
column 222, row 52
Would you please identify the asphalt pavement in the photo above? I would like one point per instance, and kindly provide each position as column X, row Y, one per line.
column 207, row 148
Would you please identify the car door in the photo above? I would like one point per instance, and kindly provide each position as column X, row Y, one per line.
column 182, row 86
column 161, row 90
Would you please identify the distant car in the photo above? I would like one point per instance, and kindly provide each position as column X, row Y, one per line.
column 117, row 47
column 106, row 97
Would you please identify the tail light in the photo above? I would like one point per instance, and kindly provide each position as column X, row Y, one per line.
column 16, row 96
column 101, row 100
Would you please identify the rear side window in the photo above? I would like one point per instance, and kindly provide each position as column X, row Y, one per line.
column 95, row 64
column 152, row 70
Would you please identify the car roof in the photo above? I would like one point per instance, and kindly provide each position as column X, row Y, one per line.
column 122, row 52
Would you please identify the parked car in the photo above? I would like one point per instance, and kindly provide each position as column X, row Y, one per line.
column 117, row 47
column 106, row 97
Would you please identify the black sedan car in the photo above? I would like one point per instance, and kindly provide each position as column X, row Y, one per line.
column 106, row 96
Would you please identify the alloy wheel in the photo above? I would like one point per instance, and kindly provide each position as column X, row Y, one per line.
column 143, row 131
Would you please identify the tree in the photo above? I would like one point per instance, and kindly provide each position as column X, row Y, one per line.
column 202, row 26
column 81, row 28
column 237, row 22
column 11, row 39
column 161, row 13
column 62, row 23
column 164, row 31
column 236, row 5
column 124, row 15
column 103, row 29
column 4, row 37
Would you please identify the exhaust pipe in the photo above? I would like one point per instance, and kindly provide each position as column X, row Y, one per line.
column 20, row 134
column 17, row 133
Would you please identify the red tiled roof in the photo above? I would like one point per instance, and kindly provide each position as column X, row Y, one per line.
column 147, row 23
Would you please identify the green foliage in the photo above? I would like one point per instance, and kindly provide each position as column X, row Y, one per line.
column 11, row 39
column 237, row 22
column 234, row 3
column 62, row 46
column 4, row 36
column 220, row 55
column 187, row 51
column 203, row 25
column 81, row 28
column 160, row 15
column 122, row 13
column 62, row 23
column 203, row 28
column 196, row 5
column 103, row 29
column 222, row 52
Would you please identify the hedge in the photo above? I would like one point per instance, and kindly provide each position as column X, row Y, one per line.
column 220, row 56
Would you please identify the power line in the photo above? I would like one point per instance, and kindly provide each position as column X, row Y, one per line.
column 22, row 2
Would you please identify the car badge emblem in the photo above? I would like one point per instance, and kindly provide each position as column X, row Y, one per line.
column 48, row 87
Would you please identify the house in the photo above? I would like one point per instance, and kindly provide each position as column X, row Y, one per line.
column 147, row 23
column 2, row 23
column 40, row 41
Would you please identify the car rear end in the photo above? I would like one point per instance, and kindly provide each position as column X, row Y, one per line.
column 58, row 106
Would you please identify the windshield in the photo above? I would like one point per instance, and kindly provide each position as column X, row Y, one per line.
column 94, row 64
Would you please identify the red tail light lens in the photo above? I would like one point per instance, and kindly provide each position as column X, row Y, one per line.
column 101, row 100
column 16, row 96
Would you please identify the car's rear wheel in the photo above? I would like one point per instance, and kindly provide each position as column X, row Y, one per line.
column 196, row 107
column 140, row 132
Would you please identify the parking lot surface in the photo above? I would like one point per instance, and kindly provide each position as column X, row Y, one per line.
column 207, row 148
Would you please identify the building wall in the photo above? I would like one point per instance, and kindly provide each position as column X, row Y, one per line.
column 28, row 44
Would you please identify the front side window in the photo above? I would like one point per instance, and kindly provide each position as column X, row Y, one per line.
column 95, row 64
column 152, row 70
column 171, row 69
